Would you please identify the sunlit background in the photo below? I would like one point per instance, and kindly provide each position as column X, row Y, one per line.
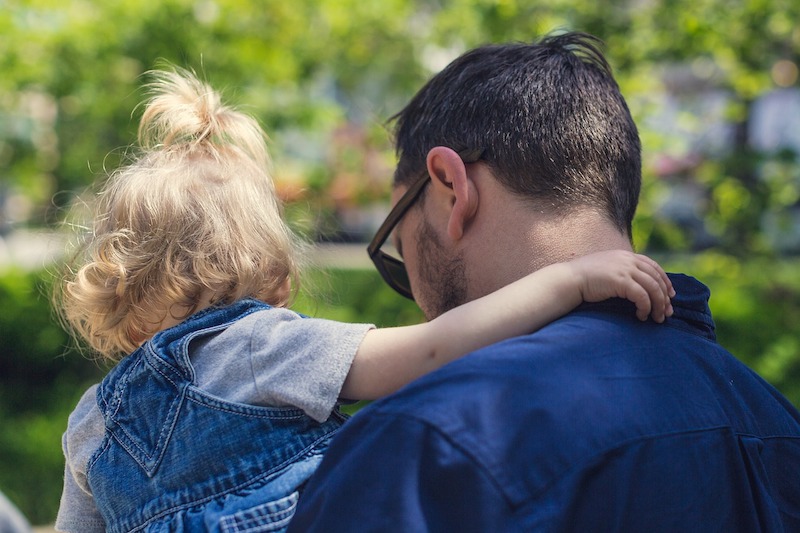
column 713, row 85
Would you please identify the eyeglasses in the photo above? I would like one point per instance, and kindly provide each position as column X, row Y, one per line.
column 393, row 270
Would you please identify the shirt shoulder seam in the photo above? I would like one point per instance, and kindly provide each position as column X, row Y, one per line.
column 473, row 459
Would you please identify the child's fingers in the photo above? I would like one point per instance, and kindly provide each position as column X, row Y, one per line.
column 643, row 287
column 647, row 294
column 653, row 269
column 669, row 290
column 632, row 276
column 657, row 288
column 662, row 275
column 650, row 291
column 661, row 304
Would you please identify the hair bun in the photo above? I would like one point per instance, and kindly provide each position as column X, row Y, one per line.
column 184, row 112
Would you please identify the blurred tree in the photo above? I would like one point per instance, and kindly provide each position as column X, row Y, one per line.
column 72, row 74
column 311, row 68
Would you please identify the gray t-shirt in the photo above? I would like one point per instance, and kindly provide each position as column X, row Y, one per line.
column 269, row 358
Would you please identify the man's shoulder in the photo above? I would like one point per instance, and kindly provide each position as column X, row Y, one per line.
column 537, row 415
column 592, row 377
column 542, row 366
column 523, row 410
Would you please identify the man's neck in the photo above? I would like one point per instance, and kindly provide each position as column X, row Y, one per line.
column 523, row 241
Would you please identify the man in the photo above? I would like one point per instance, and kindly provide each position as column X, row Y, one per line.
column 512, row 158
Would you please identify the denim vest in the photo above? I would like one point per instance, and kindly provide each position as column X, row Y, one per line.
column 177, row 459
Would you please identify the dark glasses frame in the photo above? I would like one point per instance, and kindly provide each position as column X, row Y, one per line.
column 393, row 270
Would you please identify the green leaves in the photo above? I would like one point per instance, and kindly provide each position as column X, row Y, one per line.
column 311, row 68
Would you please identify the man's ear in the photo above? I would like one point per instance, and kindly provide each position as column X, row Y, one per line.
column 449, row 178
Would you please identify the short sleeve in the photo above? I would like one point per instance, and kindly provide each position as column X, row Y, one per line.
column 277, row 358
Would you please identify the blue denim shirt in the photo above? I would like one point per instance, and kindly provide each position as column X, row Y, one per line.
column 175, row 458
column 597, row 422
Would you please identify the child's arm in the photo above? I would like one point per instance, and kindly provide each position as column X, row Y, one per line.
column 389, row 358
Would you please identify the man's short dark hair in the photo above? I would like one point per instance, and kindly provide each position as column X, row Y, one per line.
column 550, row 117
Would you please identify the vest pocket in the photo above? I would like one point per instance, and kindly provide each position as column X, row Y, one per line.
column 270, row 517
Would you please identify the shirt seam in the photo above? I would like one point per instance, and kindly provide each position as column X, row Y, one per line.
column 497, row 484
column 582, row 461
column 554, row 480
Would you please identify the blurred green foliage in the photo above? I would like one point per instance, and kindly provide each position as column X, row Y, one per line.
column 324, row 75
column 40, row 383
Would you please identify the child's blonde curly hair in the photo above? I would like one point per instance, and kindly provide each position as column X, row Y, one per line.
column 193, row 218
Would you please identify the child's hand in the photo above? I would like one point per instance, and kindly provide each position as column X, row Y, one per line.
column 617, row 273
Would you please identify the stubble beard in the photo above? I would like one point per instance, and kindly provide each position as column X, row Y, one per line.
column 443, row 279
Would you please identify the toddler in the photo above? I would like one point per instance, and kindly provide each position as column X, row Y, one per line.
column 222, row 400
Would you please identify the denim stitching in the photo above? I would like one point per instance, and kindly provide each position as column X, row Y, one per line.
column 267, row 413
column 240, row 487
column 268, row 516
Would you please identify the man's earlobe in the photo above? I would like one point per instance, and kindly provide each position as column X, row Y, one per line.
column 447, row 169
column 464, row 208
